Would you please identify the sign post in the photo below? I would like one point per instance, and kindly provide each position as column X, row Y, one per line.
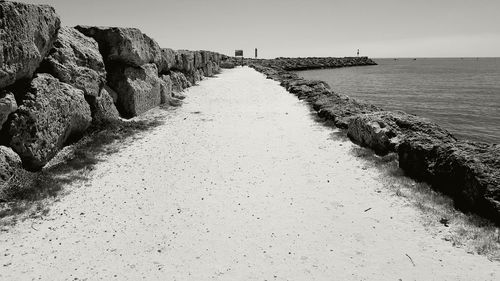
column 239, row 53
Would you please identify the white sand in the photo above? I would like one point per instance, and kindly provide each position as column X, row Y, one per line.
column 251, row 188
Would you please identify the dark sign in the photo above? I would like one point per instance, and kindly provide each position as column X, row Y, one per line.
column 238, row 53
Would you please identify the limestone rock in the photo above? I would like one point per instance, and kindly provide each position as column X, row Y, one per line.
column 102, row 107
column 75, row 59
column 468, row 172
column 126, row 45
column 186, row 62
column 198, row 59
column 51, row 113
column 179, row 82
column 138, row 88
column 383, row 131
column 341, row 109
column 9, row 162
column 166, row 89
column 26, row 36
column 169, row 60
column 8, row 105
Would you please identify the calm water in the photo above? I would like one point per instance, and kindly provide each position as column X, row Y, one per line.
column 463, row 95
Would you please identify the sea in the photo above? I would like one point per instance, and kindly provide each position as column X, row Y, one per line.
column 460, row 94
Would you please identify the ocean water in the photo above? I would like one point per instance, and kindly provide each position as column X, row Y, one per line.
column 462, row 95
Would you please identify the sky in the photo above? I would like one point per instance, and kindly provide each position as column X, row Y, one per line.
column 299, row 28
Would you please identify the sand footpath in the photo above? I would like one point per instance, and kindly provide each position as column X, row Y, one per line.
column 240, row 183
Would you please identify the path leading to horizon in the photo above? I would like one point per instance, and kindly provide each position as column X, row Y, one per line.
column 240, row 183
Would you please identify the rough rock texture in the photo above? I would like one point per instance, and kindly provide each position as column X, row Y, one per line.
column 179, row 82
column 167, row 95
column 51, row 113
column 383, row 131
column 138, row 88
column 126, row 45
column 166, row 88
column 468, row 172
column 169, row 60
column 75, row 59
column 198, row 59
column 341, row 109
column 26, row 36
column 8, row 105
column 186, row 62
column 102, row 107
column 9, row 162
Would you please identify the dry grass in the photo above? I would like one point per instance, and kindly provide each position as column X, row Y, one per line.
column 468, row 231
column 29, row 194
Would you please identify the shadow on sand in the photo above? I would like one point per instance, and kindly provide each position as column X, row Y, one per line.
column 29, row 193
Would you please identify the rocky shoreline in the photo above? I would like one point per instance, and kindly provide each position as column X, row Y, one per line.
column 469, row 172
column 56, row 82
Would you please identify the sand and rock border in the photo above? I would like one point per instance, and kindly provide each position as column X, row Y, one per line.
column 58, row 83
column 469, row 172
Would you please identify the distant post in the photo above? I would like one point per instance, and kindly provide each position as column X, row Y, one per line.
column 255, row 52
column 358, row 52
column 239, row 53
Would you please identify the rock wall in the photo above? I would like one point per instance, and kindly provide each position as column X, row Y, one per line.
column 56, row 82
column 468, row 172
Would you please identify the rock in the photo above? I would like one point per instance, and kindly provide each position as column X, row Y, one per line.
column 9, row 162
column 138, row 88
column 166, row 88
column 383, row 131
column 198, row 59
column 51, row 113
column 8, row 105
column 169, row 60
column 26, row 36
column 102, row 107
column 341, row 109
column 228, row 64
column 75, row 59
column 468, row 172
column 186, row 62
column 124, row 45
column 179, row 82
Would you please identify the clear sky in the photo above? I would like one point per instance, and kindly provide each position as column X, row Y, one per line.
column 379, row 28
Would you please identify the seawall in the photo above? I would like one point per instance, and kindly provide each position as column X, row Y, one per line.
column 469, row 172
column 56, row 82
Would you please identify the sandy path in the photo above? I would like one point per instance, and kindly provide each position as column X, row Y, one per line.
column 238, row 184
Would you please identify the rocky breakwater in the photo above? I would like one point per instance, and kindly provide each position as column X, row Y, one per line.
column 466, row 171
column 56, row 82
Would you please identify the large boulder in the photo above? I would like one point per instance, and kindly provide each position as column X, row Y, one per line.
column 468, row 172
column 138, row 88
column 8, row 105
column 26, row 36
column 9, row 162
column 341, row 109
column 75, row 59
column 383, row 131
column 169, row 60
column 125, row 45
column 186, row 62
column 51, row 113
column 102, row 106
column 179, row 82
column 167, row 94
column 198, row 59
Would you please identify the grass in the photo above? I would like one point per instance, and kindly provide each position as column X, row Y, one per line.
column 468, row 231
column 28, row 194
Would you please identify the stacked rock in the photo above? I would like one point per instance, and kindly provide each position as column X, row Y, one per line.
column 55, row 82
